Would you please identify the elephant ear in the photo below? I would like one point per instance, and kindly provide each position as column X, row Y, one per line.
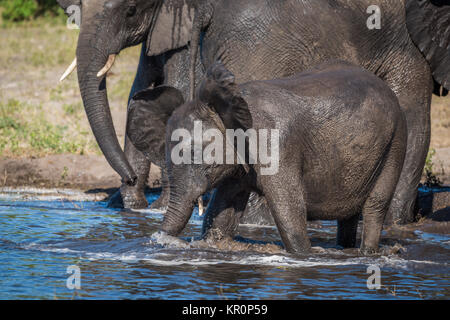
column 64, row 4
column 428, row 23
column 148, row 113
column 220, row 92
column 172, row 27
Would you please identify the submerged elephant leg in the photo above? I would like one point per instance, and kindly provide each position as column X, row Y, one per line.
column 288, row 209
column 149, row 72
column 347, row 229
column 415, row 100
column 224, row 211
column 163, row 200
column 257, row 211
column 376, row 206
column 134, row 196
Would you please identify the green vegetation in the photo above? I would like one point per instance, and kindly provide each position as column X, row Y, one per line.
column 429, row 160
column 65, row 173
column 431, row 179
column 36, row 117
column 39, row 115
column 21, row 10
column 24, row 129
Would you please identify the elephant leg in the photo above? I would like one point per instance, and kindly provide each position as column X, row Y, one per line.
column 171, row 68
column 415, row 100
column 163, row 200
column 134, row 197
column 257, row 211
column 377, row 204
column 150, row 72
column 346, row 234
column 224, row 211
column 284, row 195
column 373, row 216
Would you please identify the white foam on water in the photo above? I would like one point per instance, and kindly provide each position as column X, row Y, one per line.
column 46, row 194
column 180, row 253
column 32, row 190
column 150, row 211
column 258, row 226
column 164, row 239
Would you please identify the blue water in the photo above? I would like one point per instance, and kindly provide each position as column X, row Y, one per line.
column 427, row 190
column 120, row 256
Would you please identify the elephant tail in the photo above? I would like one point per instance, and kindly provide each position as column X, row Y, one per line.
column 428, row 23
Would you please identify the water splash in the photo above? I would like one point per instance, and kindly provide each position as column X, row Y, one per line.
column 124, row 252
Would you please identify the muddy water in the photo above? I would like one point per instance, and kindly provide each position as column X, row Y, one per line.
column 121, row 255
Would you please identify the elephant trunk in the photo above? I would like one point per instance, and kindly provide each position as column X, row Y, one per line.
column 91, row 60
column 179, row 211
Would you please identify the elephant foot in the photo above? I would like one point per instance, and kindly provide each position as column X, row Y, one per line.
column 298, row 247
column 128, row 198
column 369, row 251
column 215, row 235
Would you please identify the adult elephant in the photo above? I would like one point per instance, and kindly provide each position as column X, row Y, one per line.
column 264, row 39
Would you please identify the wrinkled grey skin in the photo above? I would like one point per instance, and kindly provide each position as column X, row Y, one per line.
column 107, row 27
column 342, row 144
column 262, row 39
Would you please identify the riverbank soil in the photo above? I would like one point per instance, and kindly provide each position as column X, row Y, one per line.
column 90, row 173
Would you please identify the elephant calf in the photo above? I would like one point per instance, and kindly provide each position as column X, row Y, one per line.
column 340, row 140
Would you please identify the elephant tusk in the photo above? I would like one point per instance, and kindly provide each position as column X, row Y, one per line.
column 108, row 65
column 69, row 70
column 200, row 206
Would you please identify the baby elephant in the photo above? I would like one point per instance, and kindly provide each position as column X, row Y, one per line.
column 326, row 144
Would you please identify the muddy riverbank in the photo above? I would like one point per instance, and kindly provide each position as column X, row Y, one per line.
column 88, row 173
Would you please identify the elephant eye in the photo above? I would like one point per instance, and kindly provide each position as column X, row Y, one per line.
column 131, row 11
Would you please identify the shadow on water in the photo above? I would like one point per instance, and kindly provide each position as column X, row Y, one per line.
column 121, row 255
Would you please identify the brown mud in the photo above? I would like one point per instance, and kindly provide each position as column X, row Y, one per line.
column 88, row 173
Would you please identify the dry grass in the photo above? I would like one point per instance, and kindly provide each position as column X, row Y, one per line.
column 440, row 122
column 38, row 115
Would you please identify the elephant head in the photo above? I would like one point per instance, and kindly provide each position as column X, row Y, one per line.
column 107, row 27
column 219, row 107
